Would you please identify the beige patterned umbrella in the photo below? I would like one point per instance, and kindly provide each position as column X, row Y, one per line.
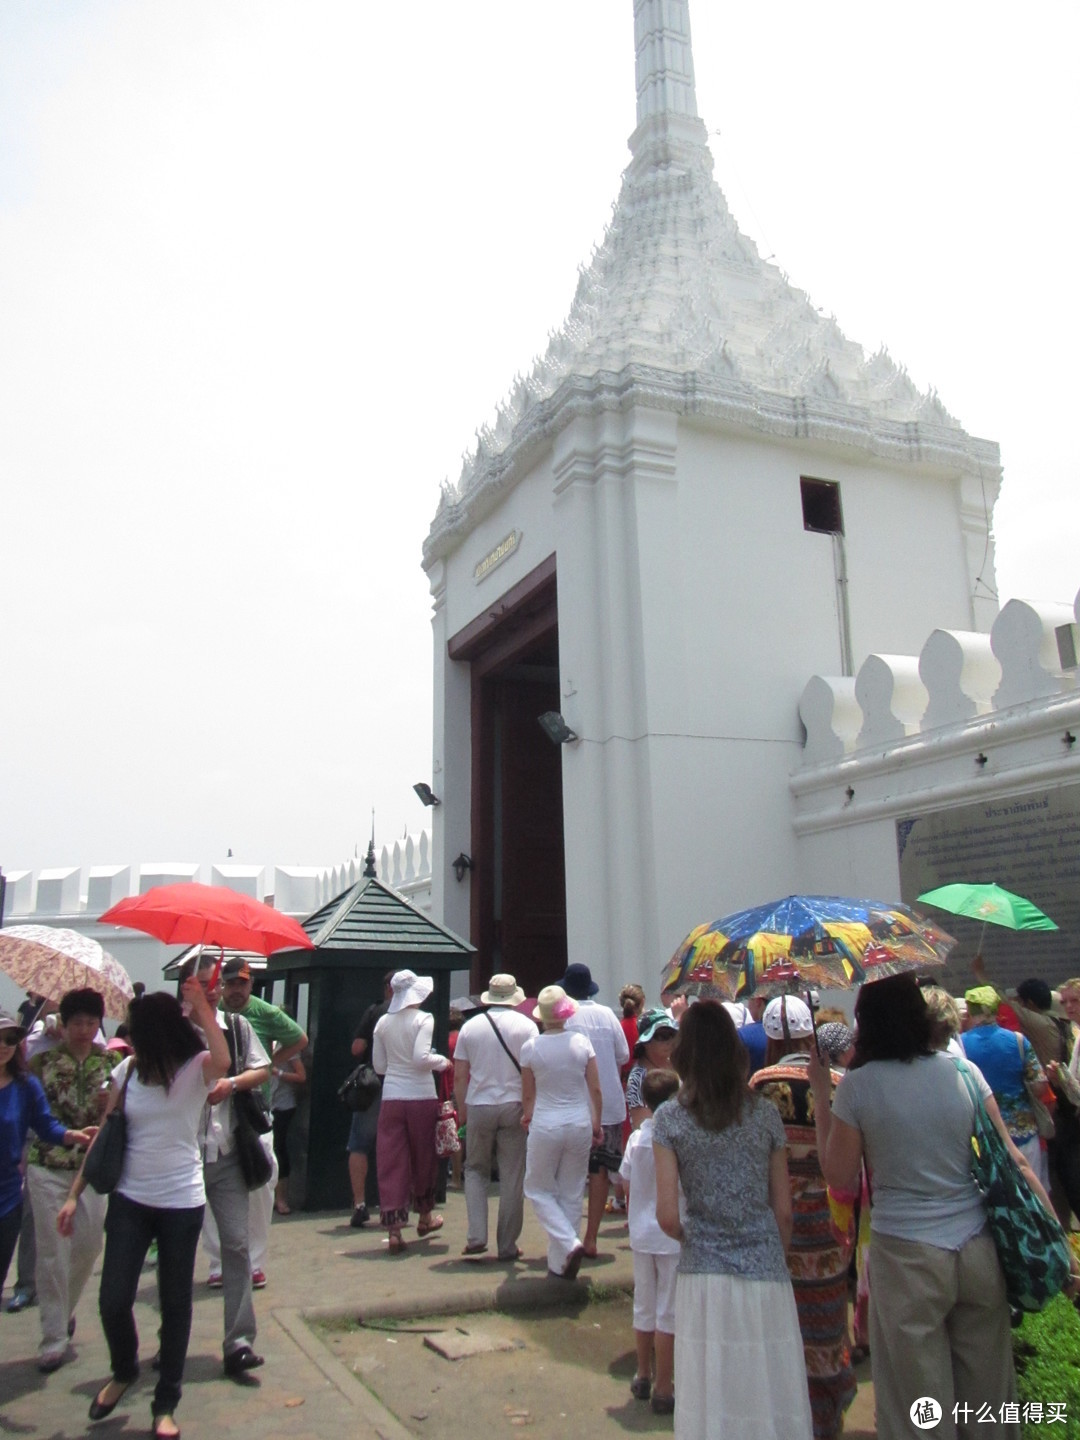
column 52, row 961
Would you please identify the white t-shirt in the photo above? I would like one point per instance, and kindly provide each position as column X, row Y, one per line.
column 162, row 1162
column 639, row 1169
column 612, row 1052
column 401, row 1052
column 492, row 1077
column 557, row 1060
column 916, row 1119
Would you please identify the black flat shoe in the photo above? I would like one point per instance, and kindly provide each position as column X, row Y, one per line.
column 98, row 1410
column 158, row 1434
column 242, row 1360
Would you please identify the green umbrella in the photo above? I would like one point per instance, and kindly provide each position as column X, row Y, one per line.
column 990, row 904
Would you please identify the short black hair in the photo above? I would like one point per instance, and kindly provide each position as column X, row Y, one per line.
column 1035, row 993
column 82, row 1002
column 658, row 1086
column 892, row 1021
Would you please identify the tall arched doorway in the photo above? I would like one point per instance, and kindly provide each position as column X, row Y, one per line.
column 518, row 901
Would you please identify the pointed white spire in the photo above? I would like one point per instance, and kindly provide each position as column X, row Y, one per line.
column 664, row 59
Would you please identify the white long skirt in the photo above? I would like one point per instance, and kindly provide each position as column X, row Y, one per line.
column 739, row 1366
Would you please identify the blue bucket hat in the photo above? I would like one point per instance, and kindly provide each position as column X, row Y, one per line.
column 578, row 982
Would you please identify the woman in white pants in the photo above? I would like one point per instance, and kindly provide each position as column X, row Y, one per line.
column 561, row 1105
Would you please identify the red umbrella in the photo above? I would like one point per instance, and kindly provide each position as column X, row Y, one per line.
column 193, row 914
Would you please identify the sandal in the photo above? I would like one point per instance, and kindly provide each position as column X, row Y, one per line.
column 159, row 1434
column 480, row 1248
column 429, row 1223
column 396, row 1244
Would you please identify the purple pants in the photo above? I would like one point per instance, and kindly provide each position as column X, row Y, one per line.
column 406, row 1159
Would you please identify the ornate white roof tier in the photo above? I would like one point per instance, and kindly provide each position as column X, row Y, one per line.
column 677, row 311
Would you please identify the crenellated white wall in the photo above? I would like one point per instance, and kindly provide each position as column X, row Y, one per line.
column 59, row 897
column 1027, row 665
column 991, row 722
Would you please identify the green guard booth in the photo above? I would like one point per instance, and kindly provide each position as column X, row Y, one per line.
column 358, row 937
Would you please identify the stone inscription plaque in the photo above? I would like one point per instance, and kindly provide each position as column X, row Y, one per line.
column 1029, row 844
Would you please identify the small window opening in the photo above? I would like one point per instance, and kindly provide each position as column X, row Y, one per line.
column 821, row 506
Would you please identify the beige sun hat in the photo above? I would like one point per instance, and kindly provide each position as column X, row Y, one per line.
column 553, row 1005
column 502, row 990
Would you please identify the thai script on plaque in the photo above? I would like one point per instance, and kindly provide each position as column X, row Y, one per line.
column 502, row 551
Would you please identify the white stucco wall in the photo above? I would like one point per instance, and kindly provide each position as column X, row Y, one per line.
column 693, row 605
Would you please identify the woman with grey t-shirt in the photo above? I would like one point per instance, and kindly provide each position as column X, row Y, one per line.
column 939, row 1319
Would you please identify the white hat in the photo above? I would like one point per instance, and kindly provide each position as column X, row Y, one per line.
column 409, row 989
column 787, row 1018
column 502, row 990
column 738, row 1012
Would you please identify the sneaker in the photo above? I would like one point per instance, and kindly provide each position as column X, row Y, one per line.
column 214, row 1280
column 22, row 1298
column 258, row 1279
column 242, row 1360
column 360, row 1216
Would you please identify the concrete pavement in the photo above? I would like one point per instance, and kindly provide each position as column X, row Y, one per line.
column 318, row 1269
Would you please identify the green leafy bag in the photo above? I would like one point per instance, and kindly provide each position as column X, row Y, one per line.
column 1031, row 1245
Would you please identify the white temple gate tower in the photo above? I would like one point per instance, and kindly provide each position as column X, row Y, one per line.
column 700, row 495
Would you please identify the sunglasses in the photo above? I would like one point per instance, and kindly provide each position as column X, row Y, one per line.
column 10, row 1037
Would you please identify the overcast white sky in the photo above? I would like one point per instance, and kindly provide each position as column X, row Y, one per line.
column 266, row 266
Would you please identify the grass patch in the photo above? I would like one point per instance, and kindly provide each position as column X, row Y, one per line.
column 1047, row 1350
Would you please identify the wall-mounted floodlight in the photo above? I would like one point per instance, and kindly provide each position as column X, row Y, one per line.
column 556, row 728
column 461, row 864
column 426, row 794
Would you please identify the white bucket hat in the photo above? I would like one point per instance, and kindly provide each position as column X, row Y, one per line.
column 502, row 990
column 409, row 989
column 796, row 1013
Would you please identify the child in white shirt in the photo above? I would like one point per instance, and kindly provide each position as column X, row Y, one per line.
column 656, row 1256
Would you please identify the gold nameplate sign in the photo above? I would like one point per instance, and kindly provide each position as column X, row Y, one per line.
column 494, row 558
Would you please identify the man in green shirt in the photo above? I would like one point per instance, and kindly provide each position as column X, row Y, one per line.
column 282, row 1038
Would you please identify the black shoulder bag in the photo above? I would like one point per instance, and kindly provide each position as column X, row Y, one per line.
column 104, row 1161
column 250, row 1121
column 360, row 1089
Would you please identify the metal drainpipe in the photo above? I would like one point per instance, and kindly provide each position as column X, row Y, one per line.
column 843, row 609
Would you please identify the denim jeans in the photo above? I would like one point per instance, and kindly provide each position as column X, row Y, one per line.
column 129, row 1229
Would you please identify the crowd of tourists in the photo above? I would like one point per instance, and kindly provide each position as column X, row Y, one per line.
column 184, row 1087
column 773, row 1165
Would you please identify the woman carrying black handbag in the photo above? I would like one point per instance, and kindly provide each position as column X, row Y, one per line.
column 160, row 1194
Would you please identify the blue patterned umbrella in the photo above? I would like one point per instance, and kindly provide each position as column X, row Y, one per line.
column 806, row 940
